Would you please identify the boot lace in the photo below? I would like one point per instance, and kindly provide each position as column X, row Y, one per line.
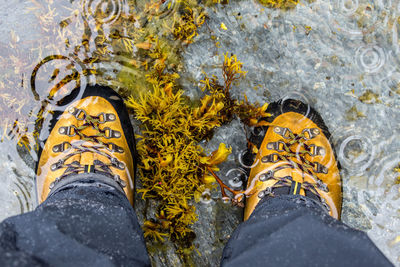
column 97, row 146
column 286, row 154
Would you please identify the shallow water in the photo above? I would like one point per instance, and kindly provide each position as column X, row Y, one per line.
column 341, row 57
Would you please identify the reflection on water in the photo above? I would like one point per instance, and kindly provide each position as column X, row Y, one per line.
column 342, row 57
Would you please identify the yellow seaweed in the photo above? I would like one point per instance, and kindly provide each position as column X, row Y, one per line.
column 282, row 4
column 174, row 169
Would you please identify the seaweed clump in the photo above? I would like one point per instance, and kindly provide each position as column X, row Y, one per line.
column 187, row 24
column 174, row 169
column 279, row 4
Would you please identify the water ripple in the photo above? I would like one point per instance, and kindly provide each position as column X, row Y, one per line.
column 165, row 8
column 104, row 11
column 370, row 58
column 353, row 18
column 355, row 150
column 236, row 177
column 65, row 75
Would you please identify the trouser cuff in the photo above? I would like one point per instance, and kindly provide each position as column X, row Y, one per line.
column 86, row 179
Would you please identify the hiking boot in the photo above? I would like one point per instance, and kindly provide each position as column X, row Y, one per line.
column 294, row 158
column 92, row 135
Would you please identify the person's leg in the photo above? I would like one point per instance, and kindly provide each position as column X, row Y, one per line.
column 85, row 182
column 86, row 223
column 296, row 231
column 294, row 198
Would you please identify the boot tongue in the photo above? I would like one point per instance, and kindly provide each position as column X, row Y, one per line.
column 87, row 158
column 297, row 176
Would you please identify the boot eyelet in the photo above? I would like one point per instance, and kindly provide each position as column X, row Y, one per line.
column 102, row 117
column 61, row 147
column 111, row 117
column 265, row 192
column 265, row 159
column 273, row 158
column 68, row 130
column 121, row 165
column 263, row 177
column 117, row 134
column 109, row 133
column 80, row 114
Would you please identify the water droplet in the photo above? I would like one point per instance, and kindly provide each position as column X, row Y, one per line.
column 241, row 162
column 237, row 177
column 356, row 151
column 206, row 197
column 103, row 11
column 295, row 95
column 226, row 200
column 370, row 58
column 354, row 18
column 348, row 7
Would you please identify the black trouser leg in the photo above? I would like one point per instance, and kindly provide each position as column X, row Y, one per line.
column 296, row 231
column 80, row 225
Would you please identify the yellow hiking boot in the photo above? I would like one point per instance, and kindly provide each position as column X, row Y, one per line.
column 92, row 135
column 294, row 157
